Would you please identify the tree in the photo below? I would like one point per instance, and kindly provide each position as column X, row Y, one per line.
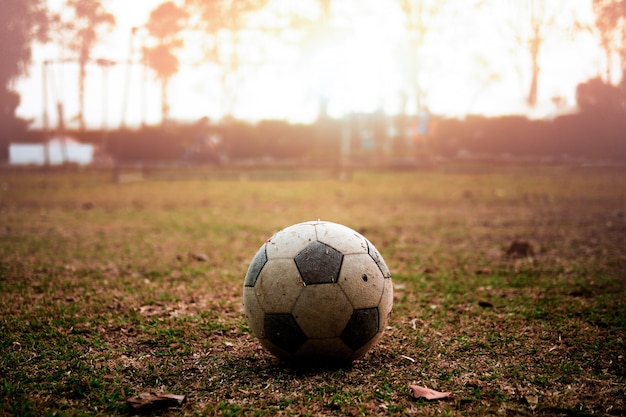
column 21, row 23
column 417, row 13
column 222, row 23
column 534, row 25
column 599, row 127
column 164, row 25
column 81, row 33
column 531, row 26
column 538, row 21
column 596, row 96
column 610, row 23
column 531, row 35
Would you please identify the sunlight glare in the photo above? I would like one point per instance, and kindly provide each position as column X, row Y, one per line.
column 358, row 73
column 468, row 64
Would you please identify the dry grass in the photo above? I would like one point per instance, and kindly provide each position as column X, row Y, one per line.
column 109, row 290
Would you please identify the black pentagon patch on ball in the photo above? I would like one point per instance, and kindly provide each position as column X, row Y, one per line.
column 361, row 328
column 282, row 330
column 319, row 264
column 255, row 267
column 373, row 252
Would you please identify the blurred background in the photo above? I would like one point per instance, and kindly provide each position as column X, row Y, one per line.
column 395, row 83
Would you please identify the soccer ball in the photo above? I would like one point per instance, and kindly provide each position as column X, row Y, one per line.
column 318, row 291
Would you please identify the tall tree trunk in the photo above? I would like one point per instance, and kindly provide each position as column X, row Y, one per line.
column 534, row 81
column 535, row 45
column 83, row 58
column 609, row 64
column 605, row 42
column 164, row 103
column 622, row 51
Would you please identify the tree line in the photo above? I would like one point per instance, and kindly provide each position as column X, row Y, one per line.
column 223, row 25
column 596, row 132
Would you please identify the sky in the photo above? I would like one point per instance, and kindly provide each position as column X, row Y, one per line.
column 470, row 64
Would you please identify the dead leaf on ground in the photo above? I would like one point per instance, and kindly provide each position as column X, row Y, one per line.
column 150, row 310
column 155, row 400
column 427, row 393
column 532, row 401
column 199, row 257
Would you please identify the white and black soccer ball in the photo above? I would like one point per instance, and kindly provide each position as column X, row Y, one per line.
column 318, row 290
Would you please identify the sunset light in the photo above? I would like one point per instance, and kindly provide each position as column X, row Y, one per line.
column 454, row 58
column 313, row 207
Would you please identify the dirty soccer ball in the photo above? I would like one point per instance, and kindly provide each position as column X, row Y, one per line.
column 318, row 290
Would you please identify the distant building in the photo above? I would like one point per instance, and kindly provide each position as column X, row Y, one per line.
column 35, row 153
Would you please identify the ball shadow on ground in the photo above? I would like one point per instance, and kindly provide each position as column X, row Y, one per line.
column 268, row 366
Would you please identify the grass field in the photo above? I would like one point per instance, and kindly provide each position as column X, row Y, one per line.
column 108, row 290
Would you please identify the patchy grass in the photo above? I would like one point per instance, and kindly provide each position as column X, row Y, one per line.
column 109, row 290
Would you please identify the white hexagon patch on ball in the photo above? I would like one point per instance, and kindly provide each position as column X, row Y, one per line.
column 318, row 290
